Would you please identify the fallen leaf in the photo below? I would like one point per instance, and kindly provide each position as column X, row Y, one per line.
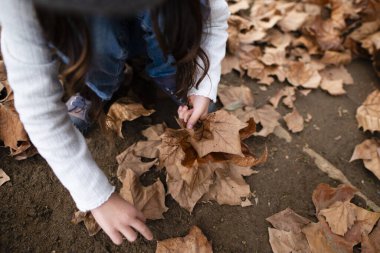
column 371, row 243
column 288, row 220
column 336, row 58
column 124, row 109
column 303, row 74
column 240, row 5
column 194, row 242
column 229, row 63
column 368, row 114
column 153, row 133
column 321, row 239
column 150, row 200
column 337, row 73
column 289, row 94
column 249, row 130
column 340, row 216
column 131, row 158
column 230, row 187
column 3, row 177
column 294, row 121
column 324, row 195
column 89, row 221
column 233, row 97
column 368, row 151
column 292, row 21
column 333, row 87
column 219, row 133
column 287, row 242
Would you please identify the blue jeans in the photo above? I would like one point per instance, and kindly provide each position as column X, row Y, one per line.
column 114, row 41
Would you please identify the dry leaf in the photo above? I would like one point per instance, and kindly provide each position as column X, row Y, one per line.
column 149, row 200
column 293, row 20
column 124, row 109
column 303, row 74
column 233, row 97
column 89, row 221
column 219, row 133
column 321, row 239
column 249, row 130
column 240, row 5
column 153, row 133
column 336, row 58
column 194, row 242
column 288, row 220
column 333, row 87
column 368, row 114
column 324, row 195
column 340, row 216
column 3, row 177
column 288, row 242
column 188, row 195
column 230, row 187
column 294, row 121
column 132, row 157
column 371, row 243
column 368, row 151
column 337, row 73
column 229, row 63
column 290, row 96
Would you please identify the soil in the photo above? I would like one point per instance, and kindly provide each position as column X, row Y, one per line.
column 35, row 209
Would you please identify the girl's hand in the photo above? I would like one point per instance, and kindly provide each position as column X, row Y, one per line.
column 199, row 111
column 117, row 217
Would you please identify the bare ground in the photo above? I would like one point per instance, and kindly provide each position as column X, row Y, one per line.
column 35, row 209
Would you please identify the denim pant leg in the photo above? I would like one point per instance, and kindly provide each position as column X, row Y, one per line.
column 108, row 38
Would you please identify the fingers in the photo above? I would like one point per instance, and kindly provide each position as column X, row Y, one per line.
column 184, row 113
column 195, row 116
column 129, row 233
column 140, row 216
column 143, row 229
column 115, row 236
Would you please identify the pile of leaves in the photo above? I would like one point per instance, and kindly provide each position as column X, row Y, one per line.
column 208, row 163
column 304, row 42
column 12, row 132
column 341, row 225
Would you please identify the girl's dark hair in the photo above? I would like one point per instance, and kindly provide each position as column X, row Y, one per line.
column 179, row 33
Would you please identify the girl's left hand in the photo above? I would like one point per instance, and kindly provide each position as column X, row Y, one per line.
column 199, row 111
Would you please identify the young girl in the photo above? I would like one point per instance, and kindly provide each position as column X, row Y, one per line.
column 184, row 41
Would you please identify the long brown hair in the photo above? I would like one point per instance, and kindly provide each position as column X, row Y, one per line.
column 181, row 35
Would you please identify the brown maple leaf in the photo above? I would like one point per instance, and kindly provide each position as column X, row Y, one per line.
column 368, row 151
column 194, row 242
column 124, row 109
column 368, row 114
column 294, row 121
column 150, row 200
column 233, row 97
column 219, row 133
column 3, row 177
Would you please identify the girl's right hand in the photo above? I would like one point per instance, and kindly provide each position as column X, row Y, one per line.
column 117, row 217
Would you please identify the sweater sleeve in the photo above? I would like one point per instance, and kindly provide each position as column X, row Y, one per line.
column 214, row 44
column 32, row 74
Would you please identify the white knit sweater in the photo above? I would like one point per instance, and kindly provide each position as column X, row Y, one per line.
column 32, row 74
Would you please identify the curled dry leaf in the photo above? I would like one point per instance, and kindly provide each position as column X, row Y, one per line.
column 124, row 109
column 3, row 177
column 303, row 74
column 149, row 200
column 368, row 114
column 336, row 58
column 294, row 121
column 368, row 151
column 89, row 221
column 240, row 5
column 194, row 242
column 233, row 97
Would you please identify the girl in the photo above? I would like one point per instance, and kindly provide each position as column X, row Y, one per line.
column 184, row 41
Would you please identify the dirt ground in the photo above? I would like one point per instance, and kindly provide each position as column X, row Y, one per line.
column 35, row 210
